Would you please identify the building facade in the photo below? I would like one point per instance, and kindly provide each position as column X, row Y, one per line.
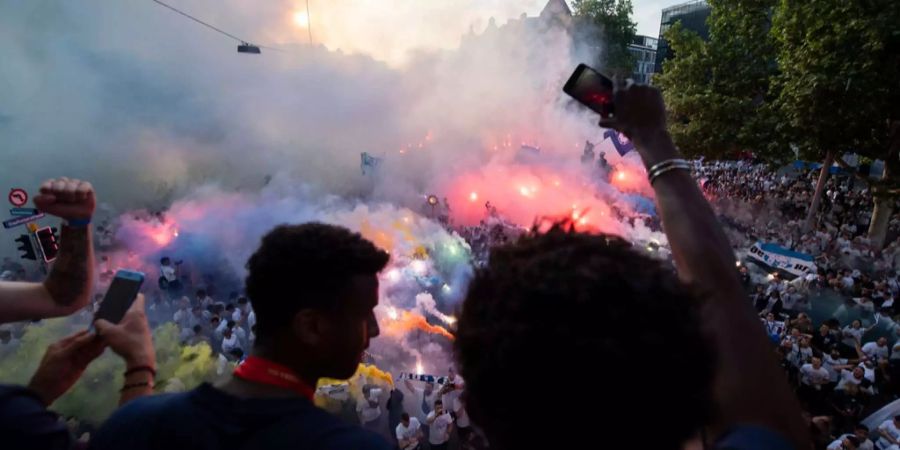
column 692, row 16
column 643, row 49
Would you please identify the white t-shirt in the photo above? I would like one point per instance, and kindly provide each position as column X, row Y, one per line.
column 182, row 317
column 838, row 443
column 410, row 432
column 811, row 376
column 168, row 272
column 873, row 351
column 449, row 398
column 864, row 445
column 222, row 325
column 800, row 356
column 853, row 335
column 789, row 301
column 828, row 363
column 438, row 431
column 240, row 333
column 229, row 344
column 368, row 413
column 206, row 302
column 236, row 315
column 847, row 282
column 251, row 319
column 888, row 427
column 869, row 372
column 847, row 377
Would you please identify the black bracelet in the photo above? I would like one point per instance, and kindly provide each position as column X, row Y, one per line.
column 141, row 369
column 134, row 385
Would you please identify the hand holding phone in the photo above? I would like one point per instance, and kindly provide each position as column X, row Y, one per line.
column 121, row 294
column 131, row 338
column 592, row 89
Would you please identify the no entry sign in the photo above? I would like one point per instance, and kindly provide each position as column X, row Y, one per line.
column 18, row 197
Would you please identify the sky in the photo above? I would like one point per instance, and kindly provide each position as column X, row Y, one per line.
column 647, row 14
column 360, row 26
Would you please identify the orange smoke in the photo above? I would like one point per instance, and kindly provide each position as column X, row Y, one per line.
column 407, row 321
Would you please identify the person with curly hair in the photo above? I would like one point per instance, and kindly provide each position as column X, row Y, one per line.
column 559, row 307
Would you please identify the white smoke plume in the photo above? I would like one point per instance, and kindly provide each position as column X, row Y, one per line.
column 162, row 114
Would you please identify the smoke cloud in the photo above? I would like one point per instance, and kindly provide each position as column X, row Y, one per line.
column 163, row 114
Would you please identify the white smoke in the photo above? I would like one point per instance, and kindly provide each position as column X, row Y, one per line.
column 160, row 113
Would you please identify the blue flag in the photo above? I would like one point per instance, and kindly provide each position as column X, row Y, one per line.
column 622, row 144
column 368, row 162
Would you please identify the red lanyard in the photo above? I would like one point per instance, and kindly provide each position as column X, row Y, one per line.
column 263, row 371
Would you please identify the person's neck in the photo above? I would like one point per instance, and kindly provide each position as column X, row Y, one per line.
column 248, row 389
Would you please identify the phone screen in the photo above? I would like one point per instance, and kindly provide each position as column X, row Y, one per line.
column 592, row 89
column 121, row 294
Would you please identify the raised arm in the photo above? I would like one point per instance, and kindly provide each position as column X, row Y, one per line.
column 750, row 388
column 68, row 286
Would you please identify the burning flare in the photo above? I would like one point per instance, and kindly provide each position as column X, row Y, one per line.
column 408, row 321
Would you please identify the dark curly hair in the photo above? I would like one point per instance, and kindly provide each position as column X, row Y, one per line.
column 305, row 266
column 582, row 338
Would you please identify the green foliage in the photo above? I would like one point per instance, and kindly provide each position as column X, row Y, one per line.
column 719, row 92
column 613, row 18
column 839, row 87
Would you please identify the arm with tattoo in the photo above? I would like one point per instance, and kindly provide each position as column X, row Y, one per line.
column 68, row 287
column 69, row 282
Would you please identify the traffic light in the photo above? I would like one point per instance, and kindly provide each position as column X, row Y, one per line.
column 26, row 248
column 49, row 243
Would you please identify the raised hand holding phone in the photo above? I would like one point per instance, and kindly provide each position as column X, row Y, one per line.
column 592, row 89
column 130, row 338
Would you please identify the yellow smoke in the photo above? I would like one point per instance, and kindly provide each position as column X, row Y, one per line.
column 365, row 374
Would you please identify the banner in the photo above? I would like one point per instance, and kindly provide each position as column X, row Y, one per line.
column 780, row 258
column 423, row 377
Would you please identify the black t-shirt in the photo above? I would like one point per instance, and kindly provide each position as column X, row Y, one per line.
column 209, row 419
column 25, row 423
column 824, row 343
column 845, row 402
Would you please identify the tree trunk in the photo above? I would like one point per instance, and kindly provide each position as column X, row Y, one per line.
column 881, row 214
column 817, row 197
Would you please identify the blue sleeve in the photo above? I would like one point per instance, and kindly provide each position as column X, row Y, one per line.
column 358, row 439
column 25, row 423
column 750, row 437
column 129, row 427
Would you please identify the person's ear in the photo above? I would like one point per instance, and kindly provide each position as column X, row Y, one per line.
column 310, row 327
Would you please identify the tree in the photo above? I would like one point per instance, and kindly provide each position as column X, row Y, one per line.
column 719, row 93
column 838, row 88
column 617, row 31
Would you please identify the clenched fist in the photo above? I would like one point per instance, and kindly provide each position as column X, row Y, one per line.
column 66, row 198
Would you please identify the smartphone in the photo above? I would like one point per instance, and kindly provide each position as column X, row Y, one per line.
column 592, row 89
column 121, row 294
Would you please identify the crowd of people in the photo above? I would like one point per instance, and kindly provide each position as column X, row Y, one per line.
column 549, row 305
column 845, row 365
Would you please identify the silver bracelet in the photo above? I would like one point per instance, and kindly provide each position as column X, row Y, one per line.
column 667, row 163
column 667, row 166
